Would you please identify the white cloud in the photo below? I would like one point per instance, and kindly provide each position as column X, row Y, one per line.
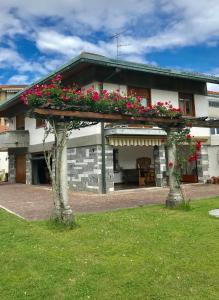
column 213, row 87
column 66, row 45
column 63, row 29
column 9, row 57
column 18, row 79
column 85, row 16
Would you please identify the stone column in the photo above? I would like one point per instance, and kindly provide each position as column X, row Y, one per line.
column 28, row 169
column 175, row 195
column 60, row 188
column 160, row 165
column 109, row 169
column 203, row 164
column 11, row 168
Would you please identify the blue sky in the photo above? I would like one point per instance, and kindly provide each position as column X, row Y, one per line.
column 38, row 36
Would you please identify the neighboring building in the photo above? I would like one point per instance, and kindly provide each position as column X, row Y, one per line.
column 104, row 157
column 213, row 112
column 6, row 92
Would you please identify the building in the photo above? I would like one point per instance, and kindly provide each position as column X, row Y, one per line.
column 106, row 157
column 213, row 150
column 6, row 92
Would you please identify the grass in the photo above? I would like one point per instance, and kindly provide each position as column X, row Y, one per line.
column 142, row 253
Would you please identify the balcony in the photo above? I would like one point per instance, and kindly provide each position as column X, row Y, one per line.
column 14, row 139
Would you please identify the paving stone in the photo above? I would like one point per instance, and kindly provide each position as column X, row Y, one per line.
column 214, row 213
column 17, row 197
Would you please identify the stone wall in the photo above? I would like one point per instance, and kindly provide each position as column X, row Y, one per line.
column 11, row 168
column 85, row 167
column 203, row 164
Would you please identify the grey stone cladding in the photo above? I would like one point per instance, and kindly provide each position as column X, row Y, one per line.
column 85, row 167
column 160, row 166
column 28, row 169
column 11, row 168
column 203, row 164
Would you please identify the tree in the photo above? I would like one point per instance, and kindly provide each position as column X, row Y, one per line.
column 181, row 149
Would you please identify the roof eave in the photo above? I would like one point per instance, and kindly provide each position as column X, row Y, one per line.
column 104, row 61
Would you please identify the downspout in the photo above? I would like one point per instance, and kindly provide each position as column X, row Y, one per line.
column 103, row 168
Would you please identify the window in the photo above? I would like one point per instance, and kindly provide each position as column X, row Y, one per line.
column 186, row 104
column 144, row 93
column 215, row 131
column 40, row 123
column 214, row 103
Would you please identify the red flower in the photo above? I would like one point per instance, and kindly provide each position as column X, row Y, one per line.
column 39, row 94
column 198, row 145
column 129, row 105
column 95, row 96
column 193, row 157
column 170, row 164
column 188, row 136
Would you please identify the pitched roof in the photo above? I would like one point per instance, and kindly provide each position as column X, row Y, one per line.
column 213, row 93
column 96, row 59
column 14, row 86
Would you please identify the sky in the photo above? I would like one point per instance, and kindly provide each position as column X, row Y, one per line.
column 36, row 36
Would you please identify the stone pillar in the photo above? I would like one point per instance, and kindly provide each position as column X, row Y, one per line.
column 109, row 169
column 160, row 165
column 203, row 164
column 28, row 169
column 11, row 168
column 175, row 196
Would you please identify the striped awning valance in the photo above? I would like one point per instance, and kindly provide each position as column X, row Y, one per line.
column 134, row 141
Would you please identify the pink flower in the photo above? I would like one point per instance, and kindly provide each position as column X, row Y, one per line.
column 65, row 98
column 58, row 77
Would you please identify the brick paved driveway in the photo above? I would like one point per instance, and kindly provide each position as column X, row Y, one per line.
column 35, row 202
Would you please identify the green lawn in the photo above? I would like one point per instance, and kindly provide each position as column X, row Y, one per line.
column 142, row 253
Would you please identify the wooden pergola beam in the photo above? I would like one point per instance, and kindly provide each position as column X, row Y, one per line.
column 118, row 118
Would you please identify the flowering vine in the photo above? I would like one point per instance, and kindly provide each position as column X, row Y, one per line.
column 187, row 149
column 57, row 96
